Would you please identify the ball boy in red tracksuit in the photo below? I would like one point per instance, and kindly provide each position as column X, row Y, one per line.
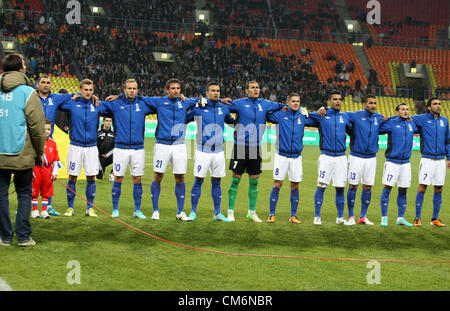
column 45, row 175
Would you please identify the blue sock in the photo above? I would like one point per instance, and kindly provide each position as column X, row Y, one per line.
column 49, row 201
column 340, row 202
column 115, row 193
column 196, row 192
column 437, row 201
column 351, row 197
column 137, row 196
column 71, row 195
column 90, row 193
column 216, row 193
column 155, row 190
column 318, row 201
column 419, row 203
column 401, row 203
column 294, row 202
column 384, row 201
column 274, row 194
column 366, row 195
column 180, row 192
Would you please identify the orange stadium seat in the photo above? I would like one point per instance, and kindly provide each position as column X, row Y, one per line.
column 380, row 56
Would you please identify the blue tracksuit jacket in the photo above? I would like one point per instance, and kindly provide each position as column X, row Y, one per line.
column 365, row 128
column 290, row 131
column 51, row 104
column 332, row 131
column 400, row 139
column 434, row 136
column 84, row 118
column 210, row 125
column 251, row 119
column 172, row 113
column 128, row 120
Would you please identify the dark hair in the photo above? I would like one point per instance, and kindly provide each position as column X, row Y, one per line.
column 431, row 100
column 171, row 81
column 334, row 92
column 397, row 108
column 47, row 121
column 212, row 83
column 43, row 77
column 247, row 85
column 12, row 62
column 369, row 96
column 63, row 91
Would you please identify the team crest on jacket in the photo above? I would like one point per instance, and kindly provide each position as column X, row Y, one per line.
column 299, row 121
column 92, row 108
column 179, row 105
column 410, row 127
column 220, row 111
column 341, row 120
column 137, row 107
column 442, row 123
column 50, row 102
column 375, row 121
column 260, row 108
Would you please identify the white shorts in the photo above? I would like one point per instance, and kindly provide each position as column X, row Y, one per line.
column 82, row 156
column 176, row 155
column 214, row 162
column 122, row 158
column 399, row 174
column 432, row 172
column 361, row 170
column 332, row 168
column 283, row 165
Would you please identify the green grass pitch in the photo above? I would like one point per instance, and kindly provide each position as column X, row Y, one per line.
column 111, row 256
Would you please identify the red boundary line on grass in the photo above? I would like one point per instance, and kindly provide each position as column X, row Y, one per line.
column 246, row 255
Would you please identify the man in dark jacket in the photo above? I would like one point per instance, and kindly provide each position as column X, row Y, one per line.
column 105, row 145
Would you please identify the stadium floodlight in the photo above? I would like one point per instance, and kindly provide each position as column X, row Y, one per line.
column 97, row 10
column 202, row 16
column 352, row 26
column 164, row 57
column 9, row 46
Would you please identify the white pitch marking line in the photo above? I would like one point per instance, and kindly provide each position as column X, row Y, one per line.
column 4, row 287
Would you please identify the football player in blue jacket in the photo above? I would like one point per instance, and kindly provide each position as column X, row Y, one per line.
column 246, row 156
column 397, row 168
column 83, row 150
column 209, row 154
column 435, row 147
column 288, row 158
column 128, row 113
column 332, row 161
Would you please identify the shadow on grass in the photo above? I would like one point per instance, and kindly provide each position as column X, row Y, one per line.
column 250, row 238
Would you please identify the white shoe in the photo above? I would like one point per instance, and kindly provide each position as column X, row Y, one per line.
column 155, row 215
column 252, row 216
column 350, row 221
column 182, row 216
column 340, row 221
column 44, row 214
column 317, row 221
column 364, row 221
column 35, row 214
column 230, row 215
